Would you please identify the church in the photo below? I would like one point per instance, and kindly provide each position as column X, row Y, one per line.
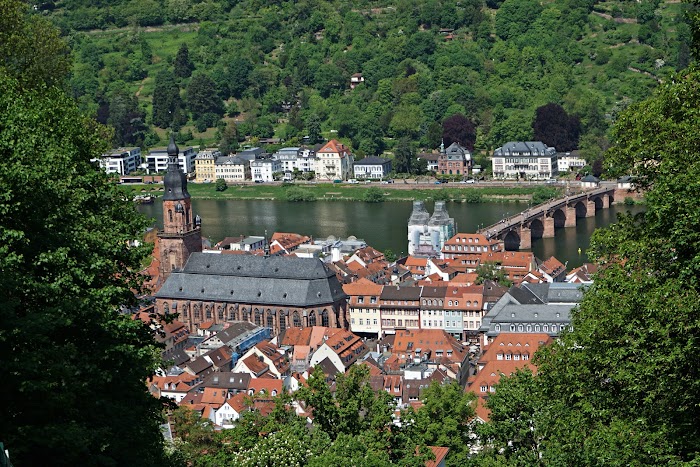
column 277, row 292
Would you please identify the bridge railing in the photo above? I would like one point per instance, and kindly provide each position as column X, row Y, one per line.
column 536, row 211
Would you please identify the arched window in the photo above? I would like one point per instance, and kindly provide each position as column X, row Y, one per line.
column 295, row 320
column 324, row 318
column 166, row 308
column 220, row 312
column 258, row 318
column 196, row 311
column 232, row 313
column 270, row 320
column 283, row 322
column 312, row 318
column 208, row 311
column 246, row 314
column 170, row 215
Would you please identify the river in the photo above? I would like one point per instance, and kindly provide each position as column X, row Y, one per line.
column 381, row 225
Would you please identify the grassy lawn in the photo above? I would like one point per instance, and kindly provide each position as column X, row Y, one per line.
column 330, row 191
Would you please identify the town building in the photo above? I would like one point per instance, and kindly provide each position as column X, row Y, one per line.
column 363, row 307
column 570, row 161
column 263, row 170
column 276, row 292
column 428, row 234
column 233, row 169
column 372, row 168
column 400, row 308
column 204, row 165
column 181, row 235
column 242, row 243
column 342, row 349
column 525, row 160
column 431, row 160
column 507, row 353
column 356, row 79
column 470, row 244
column 120, row 161
column 158, row 159
column 455, row 160
column 334, row 162
column 539, row 308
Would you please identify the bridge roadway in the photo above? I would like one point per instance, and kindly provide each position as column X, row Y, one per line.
column 518, row 231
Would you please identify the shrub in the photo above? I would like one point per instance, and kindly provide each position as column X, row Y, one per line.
column 473, row 196
column 373, row 195
column 221, row 184
column 297, row 194
column 629, row 201
column 441, row 195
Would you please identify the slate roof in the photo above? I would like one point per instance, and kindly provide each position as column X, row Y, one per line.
column 400, row 293
column 227, row 380
column 524, row 148
column 284, row 281
column 372, row 160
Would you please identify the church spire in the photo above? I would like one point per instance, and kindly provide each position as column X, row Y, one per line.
column 175, row 180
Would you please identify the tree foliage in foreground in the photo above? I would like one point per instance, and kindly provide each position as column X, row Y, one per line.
column 353, row 426
column 73, row 368
column 623, row 388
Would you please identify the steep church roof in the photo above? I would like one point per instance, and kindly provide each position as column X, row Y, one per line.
column 282, row 281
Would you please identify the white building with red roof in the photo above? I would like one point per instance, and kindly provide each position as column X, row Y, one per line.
column 334, row 161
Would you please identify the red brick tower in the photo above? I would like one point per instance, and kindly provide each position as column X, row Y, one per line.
column 181, row 234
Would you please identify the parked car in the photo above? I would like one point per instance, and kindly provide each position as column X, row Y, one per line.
column 337, row 181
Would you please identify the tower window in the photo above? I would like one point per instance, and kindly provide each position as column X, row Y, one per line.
column 170, row 215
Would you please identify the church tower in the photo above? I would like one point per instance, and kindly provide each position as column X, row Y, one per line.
column 181, row 234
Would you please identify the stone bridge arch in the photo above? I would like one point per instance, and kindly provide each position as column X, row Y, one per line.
column 536, row 228
column 511, row 241
column 559, row 217
column 580, row 209
column 598, row 203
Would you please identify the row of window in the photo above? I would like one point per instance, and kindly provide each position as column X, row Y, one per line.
column 515, row 356
column 477, row 249
column 535, row 328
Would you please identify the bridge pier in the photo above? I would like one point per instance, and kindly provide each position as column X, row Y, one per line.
column 570, row 216
column 606, row 202
column 525, row 238
column 590, row 208
column 548, row 227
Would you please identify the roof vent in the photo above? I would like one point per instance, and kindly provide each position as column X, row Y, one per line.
column 259, row 293
column 232, row 292
column 180, row 289
column 202, row 290
column 284, row 295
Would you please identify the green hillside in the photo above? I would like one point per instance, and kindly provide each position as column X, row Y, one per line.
column 282, row 69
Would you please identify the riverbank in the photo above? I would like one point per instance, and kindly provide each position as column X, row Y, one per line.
column 341, row 192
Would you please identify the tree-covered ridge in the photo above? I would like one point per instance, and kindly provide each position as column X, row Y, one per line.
column 278, row 67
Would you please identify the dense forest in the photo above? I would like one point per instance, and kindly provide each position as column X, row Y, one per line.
column 223, row 71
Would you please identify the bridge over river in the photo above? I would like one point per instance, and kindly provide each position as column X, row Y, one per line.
column 518, row 231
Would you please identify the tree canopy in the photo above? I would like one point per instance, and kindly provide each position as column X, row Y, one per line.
column 73, row 367
column 622, row 388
